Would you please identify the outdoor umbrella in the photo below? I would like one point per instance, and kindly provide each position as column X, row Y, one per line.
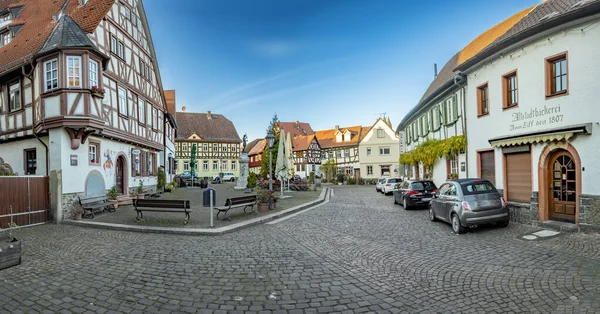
column 281, row 167
column 288, row 154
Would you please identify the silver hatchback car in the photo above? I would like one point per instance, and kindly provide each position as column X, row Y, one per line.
column 467, row 203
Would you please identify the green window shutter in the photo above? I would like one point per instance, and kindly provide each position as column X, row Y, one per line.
column 454, row 108
column 443, row 113
column 407, row 135
column 415, row 132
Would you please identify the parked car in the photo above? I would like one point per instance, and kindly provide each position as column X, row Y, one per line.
column 227, row 176
column 469, row 202
column 389, row 185
column 187, row 176
column 414, row 193
column 379, row 183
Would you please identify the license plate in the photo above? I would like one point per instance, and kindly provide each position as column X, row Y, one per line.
column 426, row 199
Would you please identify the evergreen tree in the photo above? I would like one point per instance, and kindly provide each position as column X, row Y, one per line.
column 264, row 166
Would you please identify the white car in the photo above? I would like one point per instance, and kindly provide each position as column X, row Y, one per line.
column 380, row 183
column 227, row 176
column 389, row 185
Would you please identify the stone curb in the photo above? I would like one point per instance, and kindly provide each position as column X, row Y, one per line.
column 323, row 197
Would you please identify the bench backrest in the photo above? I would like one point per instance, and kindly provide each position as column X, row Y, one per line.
column 87, row 200
column 153, row 203
column 241, row 200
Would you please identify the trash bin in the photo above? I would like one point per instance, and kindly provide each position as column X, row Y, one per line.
column 206, row 197
column 203, row 183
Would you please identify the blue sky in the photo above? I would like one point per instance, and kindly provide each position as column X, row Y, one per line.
column 325, row 62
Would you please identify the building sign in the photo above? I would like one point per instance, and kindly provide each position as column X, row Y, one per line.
column 135, row 152
column 535, row 117
column 73, row 160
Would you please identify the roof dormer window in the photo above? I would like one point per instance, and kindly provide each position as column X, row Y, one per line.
column 5, row 18
column 5, row 38
column 83, row 2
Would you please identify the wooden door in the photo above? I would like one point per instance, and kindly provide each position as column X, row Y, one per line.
column 563, row 183
column 119, row 174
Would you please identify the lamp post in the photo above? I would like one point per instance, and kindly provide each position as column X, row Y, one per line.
column 270, row 142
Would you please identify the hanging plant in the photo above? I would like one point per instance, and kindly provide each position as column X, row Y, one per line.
column 429, row 151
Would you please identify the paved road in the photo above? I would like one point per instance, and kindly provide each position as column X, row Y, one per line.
column 358, row 253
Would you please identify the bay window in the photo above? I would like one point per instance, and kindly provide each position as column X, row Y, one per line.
column 74, row 71
column 51, row 75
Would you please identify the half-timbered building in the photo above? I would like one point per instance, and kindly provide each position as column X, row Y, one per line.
column 255, row 150
column 80, row 94
column 306, row 153
column 295, row 128
column 341, row 145
column 217, row 142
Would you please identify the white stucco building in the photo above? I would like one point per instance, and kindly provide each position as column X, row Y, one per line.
column 532, row 113
column 379, row 150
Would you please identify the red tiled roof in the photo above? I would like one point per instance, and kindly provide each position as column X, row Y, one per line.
column 258, row 148
column 296, row 128
column 36, row 21
column 301, row 143
column 327, row 138
column 251, row 145
column 216, row 129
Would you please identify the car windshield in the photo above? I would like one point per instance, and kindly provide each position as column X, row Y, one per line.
column 381, row 180
column 392, row 180
column 478, row 187
column 422, row 186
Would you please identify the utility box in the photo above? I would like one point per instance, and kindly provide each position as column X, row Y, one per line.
column 206, row 197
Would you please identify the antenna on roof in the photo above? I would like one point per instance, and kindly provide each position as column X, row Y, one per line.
column 435, row 73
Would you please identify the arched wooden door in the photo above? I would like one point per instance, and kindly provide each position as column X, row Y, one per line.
column 563, row 185
column 119, row 174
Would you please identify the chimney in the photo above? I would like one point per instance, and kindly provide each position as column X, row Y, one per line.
column 337, row 127
column 435, row 74
column 170, row 99
column 208, row 115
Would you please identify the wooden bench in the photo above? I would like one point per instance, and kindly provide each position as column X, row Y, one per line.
column 235, row 202
column 165, row 206
column 93, row 204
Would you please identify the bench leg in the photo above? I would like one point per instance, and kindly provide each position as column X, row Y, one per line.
column 139, row 215
column 187, row 217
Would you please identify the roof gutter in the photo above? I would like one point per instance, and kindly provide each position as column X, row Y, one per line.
column 589, row 10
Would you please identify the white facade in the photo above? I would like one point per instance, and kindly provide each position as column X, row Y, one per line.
column 379, row 151
column 538, row 114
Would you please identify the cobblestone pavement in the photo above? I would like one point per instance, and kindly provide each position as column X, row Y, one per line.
column 358, row 253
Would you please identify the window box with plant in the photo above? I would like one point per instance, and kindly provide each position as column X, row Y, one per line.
column 10, row 248
column 98, row 91
column 112, row 198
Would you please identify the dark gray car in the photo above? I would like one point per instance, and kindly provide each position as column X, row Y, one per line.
column 468, row 202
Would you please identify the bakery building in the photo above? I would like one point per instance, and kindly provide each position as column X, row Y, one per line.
column 532, row 122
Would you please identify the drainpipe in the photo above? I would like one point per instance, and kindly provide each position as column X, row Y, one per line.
column 459, row 80
column 30, row 77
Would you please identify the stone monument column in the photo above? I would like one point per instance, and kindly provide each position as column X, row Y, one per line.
column 244, row 171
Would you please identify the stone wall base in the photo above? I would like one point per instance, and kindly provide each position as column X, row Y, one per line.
column 589, row 210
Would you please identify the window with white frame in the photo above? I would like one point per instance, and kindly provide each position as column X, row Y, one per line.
column 136, row 163
column 186, row 166
column 215, row 165
column 454, row 165
column 346, row 153
column 233, row 165
column 151, row 163
column 121, row 50
column 113, row 44
column 215, row 148
column 369, row 153
column 154, row 118
column 338, row 154
column 94, row 150
column 205, row 147
column 369, row 169
column 122, row 101
column 224, row 165
column 384, row 150
column 14, row 96
column 349, row 170
column 205, row 165
column 224, row 147
column 141, row 111
column 74, row 71
column 5, row 37
column 380, row 133
column 127, row 13
column 51, row 74
column 93, row 73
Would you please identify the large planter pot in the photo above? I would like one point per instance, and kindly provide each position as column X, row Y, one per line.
column 10, row 253
column 77, row 216
column 114, row 204
column 141, row 196
column 263, row 207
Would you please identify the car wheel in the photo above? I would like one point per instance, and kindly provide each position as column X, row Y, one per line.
column 431, row 214
column 232, row 179
column 405, row 204
column 456, row 226
column 395, row 202
column 503, row 224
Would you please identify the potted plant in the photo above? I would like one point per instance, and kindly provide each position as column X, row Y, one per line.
column 162, row 179
column 264, row 198
column 140, row 190
column 98, row 91
column 10, row 248
column 112, row 197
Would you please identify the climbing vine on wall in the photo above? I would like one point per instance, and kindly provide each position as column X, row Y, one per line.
column 431, row 150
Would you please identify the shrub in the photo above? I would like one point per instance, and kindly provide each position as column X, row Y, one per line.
column 252, row 179
column 311, row 177
column 162, row 178
column 340, row 178
column 112, row 193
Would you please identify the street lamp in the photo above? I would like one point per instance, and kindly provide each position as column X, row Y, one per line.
column 270, row 142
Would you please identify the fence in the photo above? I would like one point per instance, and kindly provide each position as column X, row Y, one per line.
column 24, row 200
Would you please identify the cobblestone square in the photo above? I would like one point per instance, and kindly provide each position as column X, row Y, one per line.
column 358, row 253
